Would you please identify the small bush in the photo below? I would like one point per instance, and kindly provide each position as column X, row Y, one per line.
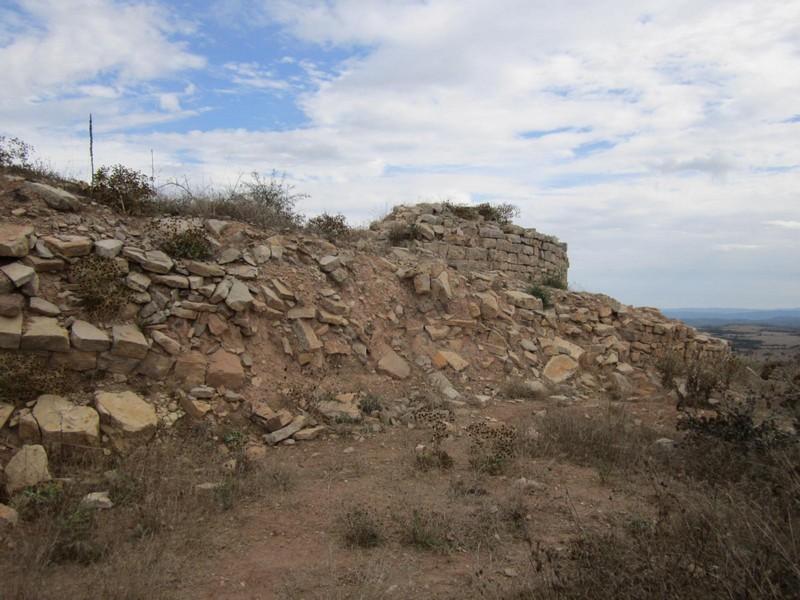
column 15, row 154
column 100, row 286
column 708, row 375
column 520, row 388
column 333, row 228
column 427, row 530
column 125, row 190
column 554, row 281
column 543, row 294
column 25, row 377
column 670, row 366
column 404, row 233
column 235, row 439
column 182, row 242
column 370, row 404
column 501, row 213
column 360, row 528
column 433, row 458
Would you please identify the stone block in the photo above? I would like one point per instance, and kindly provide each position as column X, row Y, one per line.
column 44, row 333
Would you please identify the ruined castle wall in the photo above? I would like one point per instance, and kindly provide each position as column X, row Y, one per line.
column 482, row 246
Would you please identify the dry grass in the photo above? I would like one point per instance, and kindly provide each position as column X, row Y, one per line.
column 138, row 548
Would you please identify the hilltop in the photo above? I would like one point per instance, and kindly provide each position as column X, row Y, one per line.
column 288, row 383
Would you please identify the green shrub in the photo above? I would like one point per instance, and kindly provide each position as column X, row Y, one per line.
column 100, row 286
column 125, row 190
column 333, row 228
column 15, row 154
column 235, row 439
column 543, row 294
column 554, row 281
column 370, row 404
column 708, row 375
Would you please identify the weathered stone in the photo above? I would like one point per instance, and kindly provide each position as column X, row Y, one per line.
column 306, row 335
column 204, row 269
column 560, row 368
column 40, row 306
column 301, row 312
column 18, row 273
column 62, row 422
column 97, row 500
column 238, row 297
column 489, row 309
column 14, row 239
column 155, row 365
column 11, row 332
column 54, row 197
column 440, row 286
column 225, row 369
column 180, row 282
column 126, row 413
column 190, row 369
column 338, row 411
column 44, row 333
column 87, row 337
column 8, row 517
column 6, row 410
column 137, row 281
column 69, row 245
column 331, row 347
column 108, row 248
column 43, row 265
column 422, row 283
column 329, row 263
column 229, row 255
column 523, row 300
column 282, row 290
column 169, row 345
column 278, row 420
column 278, row 436
column 221, row 291
column 128, row 341
column 156, row 262
column 243, row 271
column 324, row 316
column 309, row 433
column 106, row 361
column 197, row 409
column 454, row 360
column 393, row 365
column 216, row 227
column 11, row 304
column 339, row 275
column 261, row 253
column 27, row 468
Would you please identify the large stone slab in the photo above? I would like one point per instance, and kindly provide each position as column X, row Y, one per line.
column 239, row 297
column 306, row 335
column 286, row 432
column 128, row 341
column 18, row 273
column 69, row 245
column 53, row 196
column 27, row 468
column 126, row 413
column 393, row 365
column 85, row 336
column 11, row 304
column 44, row 333
column 523, row 300
column 225, row 369
column 10, row 332
column 62, row 422
column 190, row 369
column 560, row 368
column 14, row 239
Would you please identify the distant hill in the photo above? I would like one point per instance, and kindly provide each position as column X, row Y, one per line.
column 704, row 317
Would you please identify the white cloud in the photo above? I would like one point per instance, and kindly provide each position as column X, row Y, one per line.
column 783, row 224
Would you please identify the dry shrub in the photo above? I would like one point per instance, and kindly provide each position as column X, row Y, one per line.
column 181, row 241
column 101, row 288
column 361, row 527
column 333, row 228
column 612, row 441
column 125, row 190
column 24, row 377
column 403, row 234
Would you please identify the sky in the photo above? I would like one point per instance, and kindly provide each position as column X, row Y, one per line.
column 660, row 139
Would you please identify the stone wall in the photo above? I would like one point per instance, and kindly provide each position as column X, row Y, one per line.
column 481, row 245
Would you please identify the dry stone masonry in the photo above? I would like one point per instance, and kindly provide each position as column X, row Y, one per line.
column 293, row 332
column 480, row 245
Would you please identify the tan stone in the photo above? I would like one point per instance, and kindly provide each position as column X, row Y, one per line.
column 309, row 433
column 190, row 369
column 69, row 245
column 18, row 273
column 8, row 517
column 456, row 361
column 74, row 360
column 155, row 365
column 286, row 432
column 10, row 332
column 560, row 368
column 225, row 369
column 306, row 336
column 393, row 365
column 239, row 297
column 87, row 337
column 6, row 411
column 128, row 341
column 523, row 300
column 27, row 468
column 126, row 413
column 14, row 239
column 197, row 409
column 44, row 333
column 62, row 422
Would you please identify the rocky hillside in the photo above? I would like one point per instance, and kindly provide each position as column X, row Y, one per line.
column 286, row 332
